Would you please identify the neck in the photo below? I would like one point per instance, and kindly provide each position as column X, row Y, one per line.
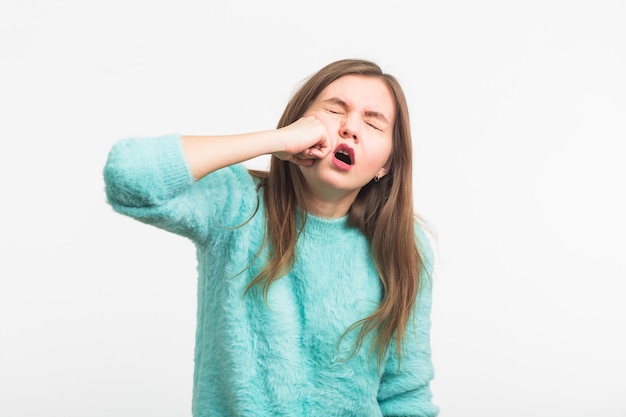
column 329, row 206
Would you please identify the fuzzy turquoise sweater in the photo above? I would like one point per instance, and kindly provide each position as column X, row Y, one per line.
column 282, row 358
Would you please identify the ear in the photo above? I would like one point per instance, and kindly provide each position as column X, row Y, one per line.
column 382, row 172
column 385, row 169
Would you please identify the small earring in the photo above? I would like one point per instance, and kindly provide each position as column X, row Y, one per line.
column 377, row 177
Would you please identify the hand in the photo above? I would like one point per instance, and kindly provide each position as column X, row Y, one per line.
column 306, row 140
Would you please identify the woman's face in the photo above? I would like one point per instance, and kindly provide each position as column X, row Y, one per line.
column 359, row 115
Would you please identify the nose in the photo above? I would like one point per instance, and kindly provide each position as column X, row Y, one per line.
column 348, row 130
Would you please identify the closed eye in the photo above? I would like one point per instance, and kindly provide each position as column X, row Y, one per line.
column 333, row 111
column 374, row 126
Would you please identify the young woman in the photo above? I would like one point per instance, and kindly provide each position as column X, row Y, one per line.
column 313, row 290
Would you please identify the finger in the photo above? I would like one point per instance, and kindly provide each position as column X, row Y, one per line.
column 302, row 161
column 307, row 154
column 322, row 149
column 317, row 153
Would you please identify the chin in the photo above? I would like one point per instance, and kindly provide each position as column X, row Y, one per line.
column 322, row 176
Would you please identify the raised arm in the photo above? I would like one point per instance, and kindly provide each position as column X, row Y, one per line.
column 300, row 142
column 157, row 180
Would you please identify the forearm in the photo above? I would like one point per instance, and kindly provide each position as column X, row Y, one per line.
column 301, row 142
column 205, row 154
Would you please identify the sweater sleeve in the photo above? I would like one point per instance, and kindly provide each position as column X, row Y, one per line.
column 148, row 180
column 405, row 384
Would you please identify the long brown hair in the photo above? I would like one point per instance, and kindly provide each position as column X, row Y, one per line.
column 383, row 211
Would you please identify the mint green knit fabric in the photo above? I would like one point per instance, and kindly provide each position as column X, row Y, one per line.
column 282, row 358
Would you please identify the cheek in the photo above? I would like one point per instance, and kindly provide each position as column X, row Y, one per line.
column 378, row 156
column 331, row 121
column 383, row 151
column 327, row 120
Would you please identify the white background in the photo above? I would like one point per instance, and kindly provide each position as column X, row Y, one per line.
column 519, row 117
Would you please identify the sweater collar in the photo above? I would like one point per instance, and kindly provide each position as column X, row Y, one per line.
column 323, row 226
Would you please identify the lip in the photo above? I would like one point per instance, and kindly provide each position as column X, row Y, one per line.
column 339, row 163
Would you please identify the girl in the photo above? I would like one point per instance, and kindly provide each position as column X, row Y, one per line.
column 313, row 278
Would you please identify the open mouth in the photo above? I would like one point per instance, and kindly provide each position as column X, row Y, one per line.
column 344, row 157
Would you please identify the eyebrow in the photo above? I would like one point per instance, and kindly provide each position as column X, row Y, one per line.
column 368, row 113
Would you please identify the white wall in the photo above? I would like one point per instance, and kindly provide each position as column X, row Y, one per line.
column 518, row 111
